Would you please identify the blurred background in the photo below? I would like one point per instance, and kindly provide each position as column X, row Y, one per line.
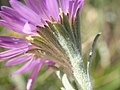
column 96, row 16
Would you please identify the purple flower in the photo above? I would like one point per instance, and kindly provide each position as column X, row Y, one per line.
column 25, row 19
column 18, row 47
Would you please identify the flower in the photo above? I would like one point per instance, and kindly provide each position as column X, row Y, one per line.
column 24, row 19
column 18, row 47
column 43, row 22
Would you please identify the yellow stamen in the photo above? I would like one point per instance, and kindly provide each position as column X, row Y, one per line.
column 29, row 38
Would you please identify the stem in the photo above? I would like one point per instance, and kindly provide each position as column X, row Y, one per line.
column 80, row 74
column 78, row 69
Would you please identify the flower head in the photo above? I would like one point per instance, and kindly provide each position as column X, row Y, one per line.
column 49, row 27
column 18, row 47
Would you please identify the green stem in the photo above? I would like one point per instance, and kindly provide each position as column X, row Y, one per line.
column 82, row 79
column 79, row 72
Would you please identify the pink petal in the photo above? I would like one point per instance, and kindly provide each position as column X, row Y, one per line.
column 29, row 65
column 12, row 12
column 53, row 8
column 25, row 12
column 28, row 29
column 12, row 42
column 13, row 52
column 12, row 26
column 64, row 5
column 33, row 75
column 19, row 59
